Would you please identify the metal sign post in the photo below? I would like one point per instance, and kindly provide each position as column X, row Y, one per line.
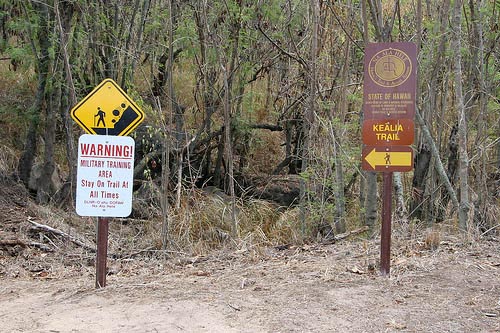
column 385, row 234
column 104, row 186
column 102, row 252
column 388, row 126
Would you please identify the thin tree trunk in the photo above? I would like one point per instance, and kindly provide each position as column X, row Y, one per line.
column 401, row 211
column 207, row 80
column 166, row 144
column 481, row 174
column 175, row 108
column 228, row 73
column 165, row 203
column 463, row 212
column 137, row 50
column 340, row 225
column 128, row 51
column 371, row 177
column 45, row 189
column 364, row 175
column 69, row 99
column 309, row 112
column 30, row 148
column 371, row 200
column 435, row 153
column 228, row 149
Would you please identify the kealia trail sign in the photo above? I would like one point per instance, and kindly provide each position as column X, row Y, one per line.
column 388, row 132
column 389, row 92
column 389, row 106
column 107, row 110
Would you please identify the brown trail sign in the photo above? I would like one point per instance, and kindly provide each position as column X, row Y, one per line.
column 389, row 87
column 388, row 123
column 388, row 132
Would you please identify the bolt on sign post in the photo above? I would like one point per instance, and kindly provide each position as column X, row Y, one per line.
column 388, row 125
column 105, row 161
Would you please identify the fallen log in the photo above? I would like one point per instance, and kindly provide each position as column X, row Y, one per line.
column 46, row 228
column 19, row 242
column 12, row 242
column 347, row 234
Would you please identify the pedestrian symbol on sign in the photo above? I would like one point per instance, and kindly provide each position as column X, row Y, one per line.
column 101, row 114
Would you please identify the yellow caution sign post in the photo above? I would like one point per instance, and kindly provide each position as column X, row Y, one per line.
column 105, row 160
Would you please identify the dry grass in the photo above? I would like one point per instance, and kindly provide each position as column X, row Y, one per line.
column 8, row 160
column 204, row 222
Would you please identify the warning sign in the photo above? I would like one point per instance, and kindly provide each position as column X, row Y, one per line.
column 105, row 175
column 107, row 110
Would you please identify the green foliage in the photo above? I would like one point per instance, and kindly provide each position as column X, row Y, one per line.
column 187, row 36
column 21, row 55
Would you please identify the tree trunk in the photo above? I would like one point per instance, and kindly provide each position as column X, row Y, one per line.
column 309, row 112
column 228, row 149
column 68, row 94
column 422, row 162
column 207, row 85
column 127, row 49
column 463, row 212
column 371, row 200
column 375, row 7
column 340, row 223
column 401, row 211
column 30, row 148
column 481, row 173
column 137, row 51
column 167, row 121
column 45, row 188
column 435, row 153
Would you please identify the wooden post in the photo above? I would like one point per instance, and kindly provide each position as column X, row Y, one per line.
column 385, row 235
column 102, row 252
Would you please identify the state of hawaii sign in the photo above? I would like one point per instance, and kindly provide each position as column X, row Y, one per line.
column 388, row 124
column 389, row 106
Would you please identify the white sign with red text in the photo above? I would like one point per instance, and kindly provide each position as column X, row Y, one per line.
column 105, row 175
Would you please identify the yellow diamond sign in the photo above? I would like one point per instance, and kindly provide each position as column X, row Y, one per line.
column 107, row 110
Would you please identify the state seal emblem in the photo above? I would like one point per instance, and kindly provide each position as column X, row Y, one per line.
column 390, row 68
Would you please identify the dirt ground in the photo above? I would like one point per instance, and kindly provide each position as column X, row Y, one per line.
column 308, row 289
column 439, row 283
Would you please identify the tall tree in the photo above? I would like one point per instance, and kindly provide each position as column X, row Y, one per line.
column 310, row 108
column 41, row 47
column 462, row 118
